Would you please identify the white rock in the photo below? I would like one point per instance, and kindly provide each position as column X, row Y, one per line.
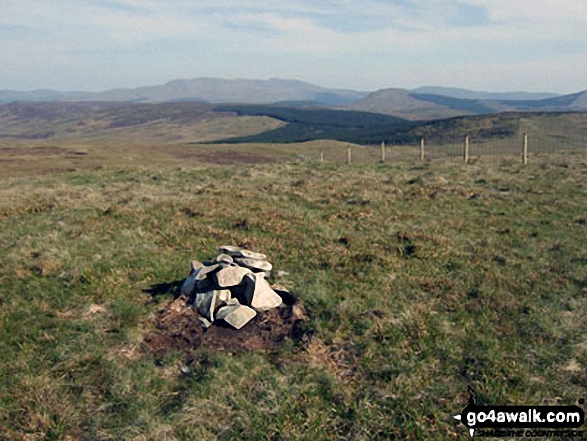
column 236, row 316
column 251, row 255
column 224, row 296
column 241, row 252
column 254, row 264
column 259, row 293
column 231, row 276
column 205, row 322
column 195, row 265
column 224, row 258
column 228, row 249
column 205, row 270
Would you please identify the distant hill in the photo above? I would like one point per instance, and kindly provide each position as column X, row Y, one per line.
column 404, row 104
column 422, row 104
column 454, row 92
column 418, row 106
column 210, row 90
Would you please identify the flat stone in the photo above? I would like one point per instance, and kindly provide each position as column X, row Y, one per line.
column 224, row 258
column 259, row 294
column 231, row 276
column 224, row 296
column 206, row 303
column 205, row 270
column 236, row 316
column 195, row 265
column 254, row 264
column 251, row 255
column 228, row 249
column 241, row 252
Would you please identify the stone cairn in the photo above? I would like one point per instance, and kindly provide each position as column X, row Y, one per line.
column 233, row 287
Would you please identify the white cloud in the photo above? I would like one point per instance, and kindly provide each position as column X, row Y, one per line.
column 390, row 35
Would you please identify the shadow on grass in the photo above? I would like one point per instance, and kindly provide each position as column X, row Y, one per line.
column 164, row 288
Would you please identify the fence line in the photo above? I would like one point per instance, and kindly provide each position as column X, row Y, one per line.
column 467, row 148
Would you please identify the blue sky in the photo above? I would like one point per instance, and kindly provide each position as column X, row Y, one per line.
column 494, row 45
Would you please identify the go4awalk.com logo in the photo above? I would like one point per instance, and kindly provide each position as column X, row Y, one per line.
column 562, row 422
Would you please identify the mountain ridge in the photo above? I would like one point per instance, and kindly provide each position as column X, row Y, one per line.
column 424, row 103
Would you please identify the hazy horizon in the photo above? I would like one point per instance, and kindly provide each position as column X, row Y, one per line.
column 480, row 45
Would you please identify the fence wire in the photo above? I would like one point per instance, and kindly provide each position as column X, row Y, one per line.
column 447, row 148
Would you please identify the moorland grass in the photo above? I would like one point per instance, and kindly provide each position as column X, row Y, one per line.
column 419, row 280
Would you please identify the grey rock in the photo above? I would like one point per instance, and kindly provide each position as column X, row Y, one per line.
column 189, row 285
column 252, row 255
column 231, row 276
column 232, row 302
column 206, row 303
column 259, row 294
column 236, row 316
column 205, row 271
column 253, row 264
column 224, row 258
column 241, row 252
column 229, row 249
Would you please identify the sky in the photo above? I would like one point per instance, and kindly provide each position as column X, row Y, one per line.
column 490, row 45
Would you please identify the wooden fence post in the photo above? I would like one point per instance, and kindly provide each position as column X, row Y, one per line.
column 466, row 150
column 382, row 159
column 348, row 154
column 321, row 157
column 422, row 149
column 525, row 149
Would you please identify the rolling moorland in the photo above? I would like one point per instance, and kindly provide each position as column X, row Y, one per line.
column 418, row 280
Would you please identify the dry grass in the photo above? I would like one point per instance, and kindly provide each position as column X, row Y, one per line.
column 419, row 280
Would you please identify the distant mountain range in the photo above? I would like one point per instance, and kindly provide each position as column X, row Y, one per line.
column 424, row 103
column 205, row 90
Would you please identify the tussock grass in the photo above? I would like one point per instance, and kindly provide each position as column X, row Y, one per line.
column 420, row 280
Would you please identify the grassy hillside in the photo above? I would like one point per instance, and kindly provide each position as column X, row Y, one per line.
column 419, row 282
column 122, row 122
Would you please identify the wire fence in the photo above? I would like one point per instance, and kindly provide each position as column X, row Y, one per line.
column 465, row 149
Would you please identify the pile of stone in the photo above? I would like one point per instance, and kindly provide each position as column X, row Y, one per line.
column 233, row 287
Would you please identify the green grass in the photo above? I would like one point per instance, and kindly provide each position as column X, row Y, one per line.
column 419, row 280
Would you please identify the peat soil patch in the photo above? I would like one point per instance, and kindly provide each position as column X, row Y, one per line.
column 226, row 304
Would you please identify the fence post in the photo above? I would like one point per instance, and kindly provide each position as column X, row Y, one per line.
column 525, row 149
column 466, row 150
column 348, row 154
column 382, row 159
column 422, row 149
column 321, row 157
